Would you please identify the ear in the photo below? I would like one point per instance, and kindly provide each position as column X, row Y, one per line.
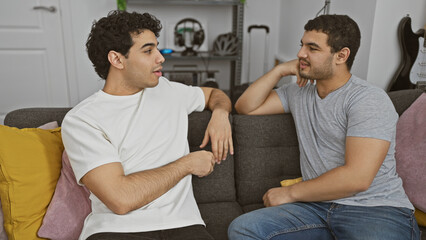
column 115, row 59
column 343, row 55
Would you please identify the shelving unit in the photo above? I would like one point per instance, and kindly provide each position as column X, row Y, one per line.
column 237, row 29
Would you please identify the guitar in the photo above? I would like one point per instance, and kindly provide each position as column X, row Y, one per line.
column 413, row 50
column 418, row 71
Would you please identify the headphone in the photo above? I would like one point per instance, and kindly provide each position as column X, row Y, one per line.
column 198, row 35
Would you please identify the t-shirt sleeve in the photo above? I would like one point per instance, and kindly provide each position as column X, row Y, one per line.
column 87, row 146
column 372, row 114
column 284, row 95
column 193, row 97
column 196, row 101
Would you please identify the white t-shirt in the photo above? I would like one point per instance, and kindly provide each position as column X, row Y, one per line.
column 142, row 131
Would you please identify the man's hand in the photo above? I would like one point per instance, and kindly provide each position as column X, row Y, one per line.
column 292, row 68
column 220, row 133
column 277, row 196
column 200, row 163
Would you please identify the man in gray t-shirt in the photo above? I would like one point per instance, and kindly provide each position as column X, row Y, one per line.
column 346, row 131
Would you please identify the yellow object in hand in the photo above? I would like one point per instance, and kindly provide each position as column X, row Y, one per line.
column 288, row 182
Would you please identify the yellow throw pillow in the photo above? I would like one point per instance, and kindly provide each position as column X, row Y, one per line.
column 288, row 182
column 30, row 165
column 420, row 217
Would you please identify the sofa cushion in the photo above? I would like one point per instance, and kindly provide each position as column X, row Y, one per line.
column 3, row 235
column 219, row 185
column 68, row 209
column 218, row 216
column 34, row 117
column 410, row 152
column 420, row 217
column 402, row 99
column 266, row 152
column 30, row 161
column 252, row 207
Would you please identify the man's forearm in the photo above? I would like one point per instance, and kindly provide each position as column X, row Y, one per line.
column 123, row 193
column 141, row 188
column 364, row 157
column 219, row 128
column 334, row 184
column 257, row 92
column 219, row 100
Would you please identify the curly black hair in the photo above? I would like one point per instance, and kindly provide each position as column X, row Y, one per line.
column 113, row 32
column 342, row 32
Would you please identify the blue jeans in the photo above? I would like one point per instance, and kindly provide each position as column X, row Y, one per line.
column 304, row 221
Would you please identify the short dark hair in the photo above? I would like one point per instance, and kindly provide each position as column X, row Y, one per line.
column 113, row 32
column 342, row 32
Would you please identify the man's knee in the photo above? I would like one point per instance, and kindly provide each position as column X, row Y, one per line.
column 243, row 226
column 236, row 226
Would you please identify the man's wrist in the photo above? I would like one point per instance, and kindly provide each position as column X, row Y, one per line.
column 220, row 111
column 291, row 193
column 286, row 69
column 184, row 164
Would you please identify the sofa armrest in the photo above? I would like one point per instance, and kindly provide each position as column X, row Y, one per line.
column 402, row 99
column 34, row 117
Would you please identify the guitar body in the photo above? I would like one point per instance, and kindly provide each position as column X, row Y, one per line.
column 418, row 71
column 409, row 45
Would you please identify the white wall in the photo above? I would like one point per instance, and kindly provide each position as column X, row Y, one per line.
column 379, row 53
column 295, row 16
column 258, row 12
column 385, row 55
column 376, row 60
column 362, row 12
column 215, row 20
column 77, row 25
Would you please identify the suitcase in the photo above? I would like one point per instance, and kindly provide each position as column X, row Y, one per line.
column 238, row 90
column 265, row 58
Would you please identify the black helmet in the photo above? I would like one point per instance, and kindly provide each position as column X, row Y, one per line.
column 225, row 45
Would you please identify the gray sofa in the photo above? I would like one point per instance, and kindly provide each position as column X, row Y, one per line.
column 266, row 152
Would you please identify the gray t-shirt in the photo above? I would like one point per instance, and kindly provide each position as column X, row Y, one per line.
column 356, row 109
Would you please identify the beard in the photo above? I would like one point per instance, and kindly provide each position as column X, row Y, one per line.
column 324, row 71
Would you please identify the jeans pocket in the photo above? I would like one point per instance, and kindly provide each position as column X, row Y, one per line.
column 405, row 211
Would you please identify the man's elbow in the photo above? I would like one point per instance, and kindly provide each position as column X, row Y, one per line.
column 239, row 107
column 361, row 186
column 117, row 205
column 239, row 110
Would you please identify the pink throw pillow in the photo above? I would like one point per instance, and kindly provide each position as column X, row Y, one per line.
column 3, row 235
column 411, row 151
column 68, row 209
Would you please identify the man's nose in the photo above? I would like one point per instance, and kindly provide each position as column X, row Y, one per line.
column 160, row 58
column 302, row 53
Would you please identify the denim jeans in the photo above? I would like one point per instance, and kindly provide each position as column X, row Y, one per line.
column 325, row 221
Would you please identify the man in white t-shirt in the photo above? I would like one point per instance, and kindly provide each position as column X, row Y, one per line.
column 127, row 143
